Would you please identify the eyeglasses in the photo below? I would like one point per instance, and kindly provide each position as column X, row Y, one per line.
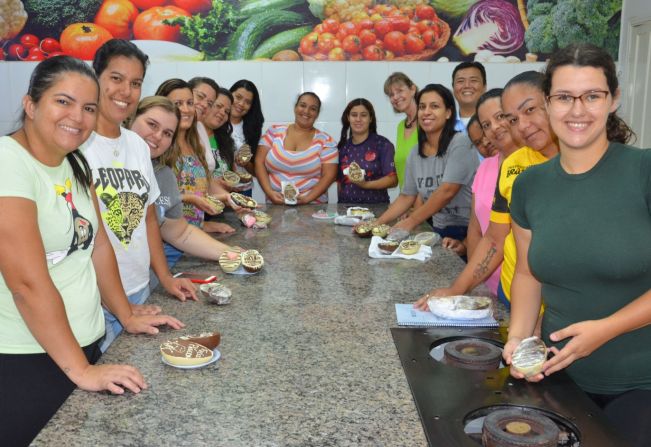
column 591, row 100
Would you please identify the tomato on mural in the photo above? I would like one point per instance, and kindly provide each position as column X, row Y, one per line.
column 310, row 30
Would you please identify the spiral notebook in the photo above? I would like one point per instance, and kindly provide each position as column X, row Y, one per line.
column 407, row 315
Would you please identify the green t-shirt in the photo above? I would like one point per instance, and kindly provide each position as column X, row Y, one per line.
column 591, row 250
column 67, row 223
column 403, row 148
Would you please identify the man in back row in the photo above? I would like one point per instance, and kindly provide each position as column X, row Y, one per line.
column 468, row 84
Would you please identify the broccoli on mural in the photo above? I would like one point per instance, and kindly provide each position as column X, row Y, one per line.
column 555, row 24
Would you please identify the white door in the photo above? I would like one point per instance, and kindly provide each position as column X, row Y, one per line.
column 639, row 82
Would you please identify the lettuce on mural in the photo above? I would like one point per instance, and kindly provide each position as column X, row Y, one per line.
column 311, row 30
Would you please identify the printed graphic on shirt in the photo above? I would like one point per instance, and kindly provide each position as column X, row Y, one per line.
column 82, row 228
column 515, row 170
column 431, row 183
column 123, row 209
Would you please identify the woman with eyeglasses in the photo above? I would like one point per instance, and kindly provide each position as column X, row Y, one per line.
column 582, row 225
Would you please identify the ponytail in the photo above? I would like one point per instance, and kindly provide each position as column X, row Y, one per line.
column 617, row 130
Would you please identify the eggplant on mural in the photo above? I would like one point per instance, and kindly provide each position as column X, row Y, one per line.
column 310, row 30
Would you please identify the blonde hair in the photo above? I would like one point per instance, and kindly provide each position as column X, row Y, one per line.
column 151, row 102
column 398, row 78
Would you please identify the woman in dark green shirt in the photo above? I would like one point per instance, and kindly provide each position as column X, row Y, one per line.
column 582, row 224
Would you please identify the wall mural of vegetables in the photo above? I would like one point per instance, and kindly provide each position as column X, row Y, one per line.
column 310, row 30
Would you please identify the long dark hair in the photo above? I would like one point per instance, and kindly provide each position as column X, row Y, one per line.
column 253, row 121
column 225, row 143
column 448, row 132
column 171, row 157
column 44, row 76
column 118, row 47
column 588, row 55
column 345, row 122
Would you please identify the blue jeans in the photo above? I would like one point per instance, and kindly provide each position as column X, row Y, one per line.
column 172, row 254
column 113, row 326
column 501, row 296
column 457, row 232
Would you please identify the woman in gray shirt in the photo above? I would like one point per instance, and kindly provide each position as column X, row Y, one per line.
column 440, row 169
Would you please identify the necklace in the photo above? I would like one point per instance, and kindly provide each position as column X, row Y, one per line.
column 114, row 144
column 408, row 124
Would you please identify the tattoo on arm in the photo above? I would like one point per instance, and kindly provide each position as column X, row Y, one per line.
column 482, row 268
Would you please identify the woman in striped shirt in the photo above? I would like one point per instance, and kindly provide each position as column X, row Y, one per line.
column 298, row 153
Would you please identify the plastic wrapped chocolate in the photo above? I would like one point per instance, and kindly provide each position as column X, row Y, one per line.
column 355, row 173
column 244, row 154
column 262, row 217
column 428, row 238
column 290, row 192
column 216, row 293
column 529, row 357
column 461, row 307
column 397, row 235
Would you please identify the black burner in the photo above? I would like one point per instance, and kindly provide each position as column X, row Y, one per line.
column 453, row 402
column 472, row 353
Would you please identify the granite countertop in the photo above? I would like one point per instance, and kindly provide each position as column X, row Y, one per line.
column 307, row 355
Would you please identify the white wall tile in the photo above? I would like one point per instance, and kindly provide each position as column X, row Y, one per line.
column 208, row 69
column 333, row 128
column 7, row 111
column 157, row 73
column 19, row 74
column 6, row 127
column 498, row 74
column 526, row 66
column 366, row 80
column 441, row 73
column 281, row 85
column 328, row 80
column 231, row 72
column 388, row 130
column 418, row 72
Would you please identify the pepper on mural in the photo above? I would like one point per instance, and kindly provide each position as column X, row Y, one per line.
column 312, row 30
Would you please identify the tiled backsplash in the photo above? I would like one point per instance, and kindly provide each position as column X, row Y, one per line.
column 280, row 83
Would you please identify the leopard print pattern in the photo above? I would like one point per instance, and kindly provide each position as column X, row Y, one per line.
column 123, row 214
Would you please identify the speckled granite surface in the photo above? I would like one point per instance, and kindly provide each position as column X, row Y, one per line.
column 307, row 355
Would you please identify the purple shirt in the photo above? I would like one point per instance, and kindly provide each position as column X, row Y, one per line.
column 375, row 157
